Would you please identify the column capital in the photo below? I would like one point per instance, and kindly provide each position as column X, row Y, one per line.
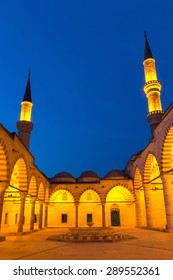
column 41, row 202
column 23, row 195
column 145, row 184
column 103, row 202
column 33, row 199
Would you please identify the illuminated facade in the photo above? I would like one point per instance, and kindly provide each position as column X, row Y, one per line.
column 141, row 195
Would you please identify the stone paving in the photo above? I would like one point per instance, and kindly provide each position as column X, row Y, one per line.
column 147, row 245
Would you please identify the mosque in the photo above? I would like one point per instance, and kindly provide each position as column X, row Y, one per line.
column 139, row 196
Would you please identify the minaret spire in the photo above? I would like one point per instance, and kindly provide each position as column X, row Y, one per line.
column 27, row 95
column 24, row 125
column 152, row 88
column 148, row 53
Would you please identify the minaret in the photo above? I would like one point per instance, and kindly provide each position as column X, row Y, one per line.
column 152, row 88
column 25, row 125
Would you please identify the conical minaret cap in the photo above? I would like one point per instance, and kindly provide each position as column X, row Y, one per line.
column 148, row 53
column 27, row 96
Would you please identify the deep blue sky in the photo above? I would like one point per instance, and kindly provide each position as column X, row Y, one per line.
column 86, row 62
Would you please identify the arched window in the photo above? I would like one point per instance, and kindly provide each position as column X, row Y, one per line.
column 64, row 196
column 89, row 196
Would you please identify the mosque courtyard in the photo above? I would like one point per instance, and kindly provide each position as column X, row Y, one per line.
column 146, row 245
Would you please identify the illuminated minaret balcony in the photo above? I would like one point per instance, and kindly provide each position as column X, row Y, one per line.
column 152, row 88
column 26, row 111
column 25, row 125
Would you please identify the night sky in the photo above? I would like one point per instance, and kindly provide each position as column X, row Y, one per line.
column 86, row 63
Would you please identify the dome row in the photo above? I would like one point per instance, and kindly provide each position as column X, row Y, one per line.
column 87, row 176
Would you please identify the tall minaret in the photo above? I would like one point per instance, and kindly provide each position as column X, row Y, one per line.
column 25, row 125
column 152, row 88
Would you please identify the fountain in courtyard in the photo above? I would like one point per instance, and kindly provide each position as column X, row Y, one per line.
column 90, row 234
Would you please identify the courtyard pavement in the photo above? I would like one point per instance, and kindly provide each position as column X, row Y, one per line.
column 147, row 245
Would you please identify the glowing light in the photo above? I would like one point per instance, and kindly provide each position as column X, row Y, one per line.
column 26, row 111
column 152, row 87
column 150, row 70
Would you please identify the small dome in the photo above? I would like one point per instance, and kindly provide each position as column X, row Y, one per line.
column 63, row 177
column 115, row 174
column 88, row 176
column 88, row 173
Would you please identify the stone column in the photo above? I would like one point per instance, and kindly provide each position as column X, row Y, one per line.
column 168, row 198
column 33, row 199
column 3, row 186
column 40, row 221
column 148, row 206
column 103, row 214
column 76, row 216
column 45, row 215
column 22, row 210
column 138, row 209
column 1, row 205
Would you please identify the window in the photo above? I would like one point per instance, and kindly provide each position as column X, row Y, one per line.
column 64, row 218
column 64, row 196
column 89, row 197
column 89, row 218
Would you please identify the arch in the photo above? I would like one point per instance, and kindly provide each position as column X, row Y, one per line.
column 89, row 195
column 41, row 192
column 115, row 207
column 4, row 162
column 120, row 194
column 124, row 200
column 58, row 196
column 33, row 186
column 151, row 168
column 153, row 188
column 167, row 150
column 47, row 194
column 90, row 208
column 137, row 179
column 140, row 199
column 21, row 168
column 90, row 189
column 61, row 188
column 11, row 207
column 123, row 186
column 61, row 209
